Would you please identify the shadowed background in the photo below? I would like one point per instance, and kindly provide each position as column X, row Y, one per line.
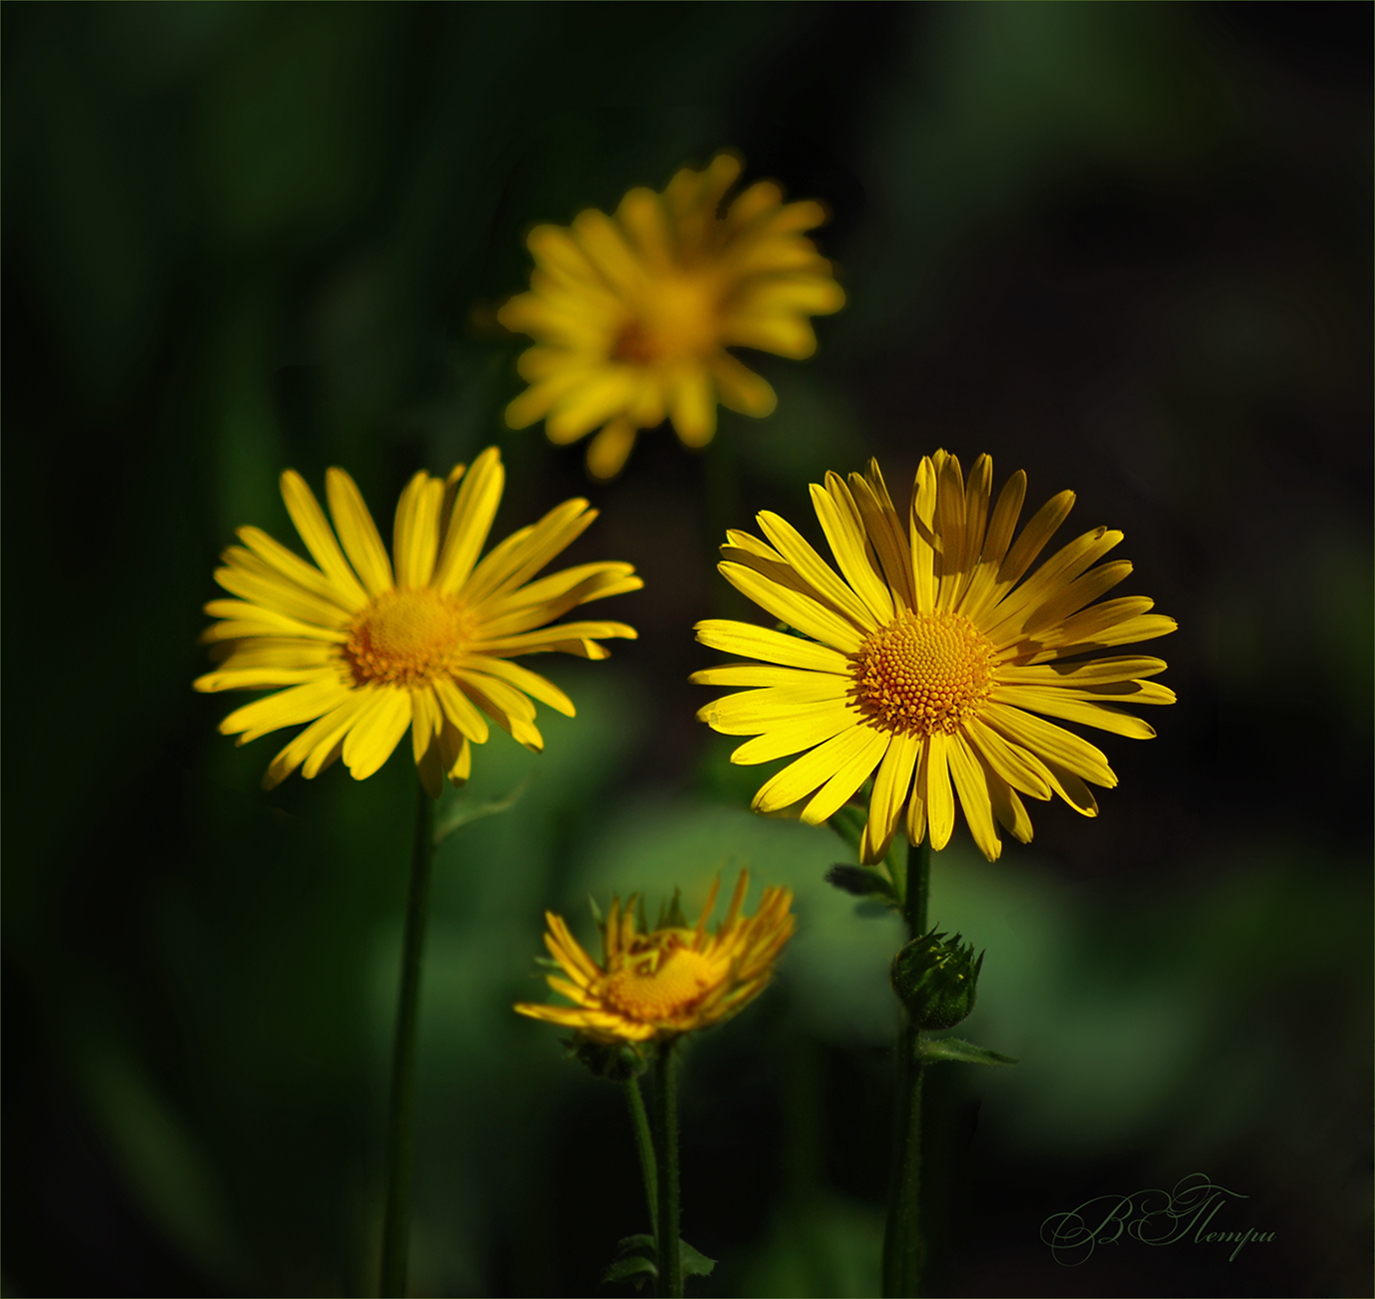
column 1125, row 247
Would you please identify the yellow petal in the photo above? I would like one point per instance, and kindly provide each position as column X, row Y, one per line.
column 771, row 646
column 814, row 570
column 461, row 711
column 310, row 522
column 813, row 769
column 415, row 541
column 940, row 799
column 740, row 389
column 471, row 521
column 602, row 394
column 508, row 566
column 792, row 736
column 358, row 532
column 371, row 742
column 843, row 525
column 693, row 410
column 796, row 610
column 1059, row 703
column 296, row 570
column 610, row 449
column 853, row 771
column 1051, row 743
column 752, row 712
column 891, row 788
column 302, row 703
column 521, row 678
column 972, row 788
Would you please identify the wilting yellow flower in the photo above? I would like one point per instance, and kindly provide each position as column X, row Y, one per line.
column 661, row 982
column 367, row 652
column 632, row 314
column 927, row 658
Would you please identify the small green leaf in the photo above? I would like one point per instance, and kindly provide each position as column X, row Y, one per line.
column 625, row 1269
column 464, row 810
column 693, row 1261
column 859, row 881
column 634, row 1258
column 635, row 1244
column 952, row 1048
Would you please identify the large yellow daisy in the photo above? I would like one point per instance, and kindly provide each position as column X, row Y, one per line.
column 663, row 982
column 926, row 659
column 632, row 314
column 366, row 650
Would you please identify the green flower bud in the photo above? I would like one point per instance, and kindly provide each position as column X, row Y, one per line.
column 936, row 979
column 618, row 1062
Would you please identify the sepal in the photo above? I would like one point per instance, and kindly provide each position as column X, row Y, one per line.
column 936, row 979
column 619, row 1062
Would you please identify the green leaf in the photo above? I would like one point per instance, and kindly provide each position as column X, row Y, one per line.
column 463, row 810
column 859, row 881
column 693, row 1261
column 635, row 1256
column 625, row 1269
column 634, row 1244
column 952, row 1048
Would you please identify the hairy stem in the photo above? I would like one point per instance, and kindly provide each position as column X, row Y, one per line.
column 670, row 1279
column 644, row 1143
column 401, row 1115
column 904, row 1249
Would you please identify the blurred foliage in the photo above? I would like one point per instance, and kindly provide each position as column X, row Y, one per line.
column 1123, row 246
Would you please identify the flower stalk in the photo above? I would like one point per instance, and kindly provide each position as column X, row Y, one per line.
column 644, row 1144
column 669, row 1281
column 401, row 1114
column 904, row 1248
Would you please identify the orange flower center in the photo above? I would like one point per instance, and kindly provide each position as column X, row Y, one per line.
column 923, row 673
column 660, row 982
column 677, row 318
column 405, row 637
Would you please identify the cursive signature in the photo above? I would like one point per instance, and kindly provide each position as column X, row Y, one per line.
column 1153, row 1217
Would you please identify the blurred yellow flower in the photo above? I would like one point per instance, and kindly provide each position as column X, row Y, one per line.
column 367, row 652
column 662, row 982
column 632, row 314
column 925, row 661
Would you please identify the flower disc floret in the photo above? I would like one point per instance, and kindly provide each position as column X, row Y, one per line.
column 922, row 674
column 406, row 638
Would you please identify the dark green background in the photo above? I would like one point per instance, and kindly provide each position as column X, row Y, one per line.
column 1123, row 246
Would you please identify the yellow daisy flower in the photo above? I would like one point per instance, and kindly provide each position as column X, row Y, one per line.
column 927, row 657
column 632, row 314
column 366, row 651
column 662, row 982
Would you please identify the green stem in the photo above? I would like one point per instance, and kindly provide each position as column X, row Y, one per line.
column 670, row 1278
column 904, row 1250
column 644, row 1143
column 396, row 1227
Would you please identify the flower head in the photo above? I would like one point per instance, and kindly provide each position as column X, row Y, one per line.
column 672, row 979
column 367, row 650
column 927, row 658
column 632, row 314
